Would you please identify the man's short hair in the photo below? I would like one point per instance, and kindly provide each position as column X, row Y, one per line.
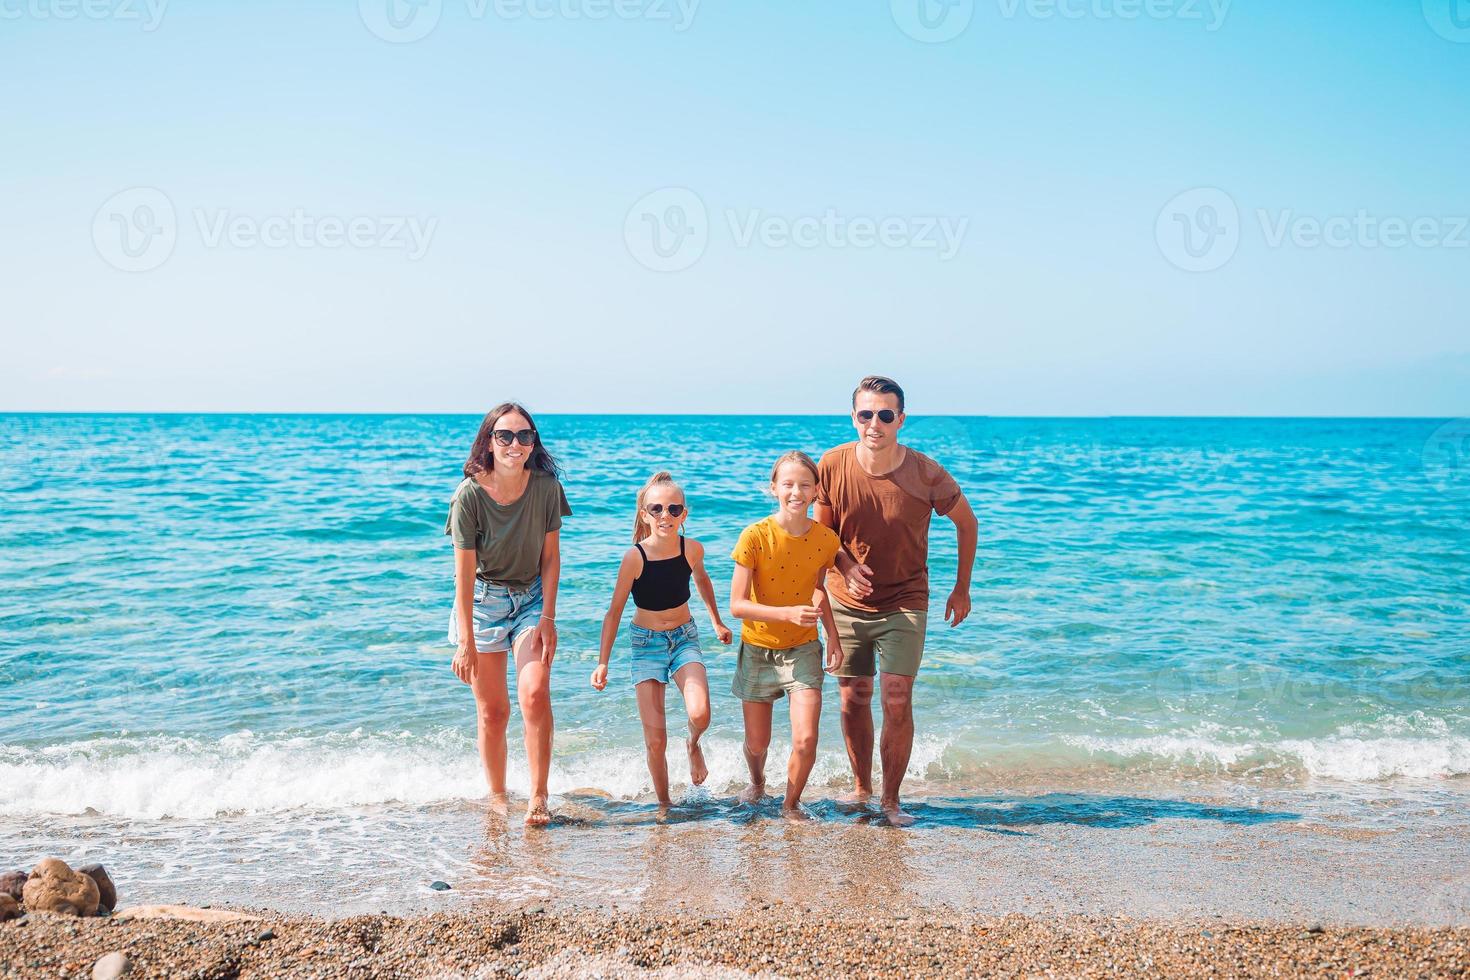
column 879, row 385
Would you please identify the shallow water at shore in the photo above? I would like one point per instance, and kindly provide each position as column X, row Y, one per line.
column 1342, row 855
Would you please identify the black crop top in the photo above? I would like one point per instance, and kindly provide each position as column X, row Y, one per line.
column 662, row 584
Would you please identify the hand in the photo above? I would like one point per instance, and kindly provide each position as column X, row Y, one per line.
column 803, row 615
column 723, row 633
column 958, row 606
column 465, row 656
column 859, row 579
column 599, row 676
column 546, row 629
column 834, row 655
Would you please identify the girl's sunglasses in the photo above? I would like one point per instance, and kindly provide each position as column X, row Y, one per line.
column 654, row 510
column 885, row 415
column 523, row 436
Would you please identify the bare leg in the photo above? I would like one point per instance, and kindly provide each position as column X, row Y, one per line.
column 533, row 687
column 695, row 687
column 897, row 742
column 492, row 713
column 757, row 741
column 806, row 713
column 655, row 736
column 857, row 734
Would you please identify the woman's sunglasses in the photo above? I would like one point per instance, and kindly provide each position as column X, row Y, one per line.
column 525, row 437
column 885, row 415
column 654, row 510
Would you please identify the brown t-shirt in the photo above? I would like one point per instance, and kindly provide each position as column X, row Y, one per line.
column 883, row 522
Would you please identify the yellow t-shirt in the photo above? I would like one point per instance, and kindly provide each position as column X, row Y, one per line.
column 784, row 573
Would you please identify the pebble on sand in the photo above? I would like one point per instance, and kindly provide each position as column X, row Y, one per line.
column 111, row 966
column 439, row 886
column 54, row 887
column 12, row 883
column 106, row 889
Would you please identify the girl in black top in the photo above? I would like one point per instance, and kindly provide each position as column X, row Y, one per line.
column 656, row 572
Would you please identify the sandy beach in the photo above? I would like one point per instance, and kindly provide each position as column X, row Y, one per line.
column 760, row 940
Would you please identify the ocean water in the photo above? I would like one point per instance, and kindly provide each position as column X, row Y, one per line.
column 220, row 623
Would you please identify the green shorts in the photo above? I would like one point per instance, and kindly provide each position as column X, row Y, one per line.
column 892, row 642
column 764, row 675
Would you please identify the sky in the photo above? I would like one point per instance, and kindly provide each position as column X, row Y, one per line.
column 1014, row 207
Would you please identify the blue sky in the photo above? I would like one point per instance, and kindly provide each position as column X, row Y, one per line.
column 1081, row 207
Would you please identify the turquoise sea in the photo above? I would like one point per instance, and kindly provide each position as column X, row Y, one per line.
column 222, row 625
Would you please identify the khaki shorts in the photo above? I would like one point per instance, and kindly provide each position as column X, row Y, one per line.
column 764, row 675
column 896, row 638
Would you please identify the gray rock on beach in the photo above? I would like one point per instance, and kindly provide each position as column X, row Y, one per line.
column 111, row 966
column 105, row 887
column 12, row 882
column 54, row 887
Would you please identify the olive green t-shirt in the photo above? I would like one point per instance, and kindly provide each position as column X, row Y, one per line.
column 507, row 538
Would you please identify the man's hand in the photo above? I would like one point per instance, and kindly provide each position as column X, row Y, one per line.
column 546, row 629
column 958, row 606
column 599, row 676
column 859, row 579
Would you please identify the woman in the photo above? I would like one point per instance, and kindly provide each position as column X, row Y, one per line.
column 505, row 520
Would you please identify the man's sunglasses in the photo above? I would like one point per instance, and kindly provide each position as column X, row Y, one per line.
column 885, row 415
column 654, row 510
column 525, row 437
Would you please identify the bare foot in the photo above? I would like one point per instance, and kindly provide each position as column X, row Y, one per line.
column 855, row 797
column 499, row 803
column 698, row 771
column 895, row 815
column 661, row 815
column 795, row 813
column 537, row 815
column 753, row 793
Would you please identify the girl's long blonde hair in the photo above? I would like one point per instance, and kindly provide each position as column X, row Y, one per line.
column 641, row 527
column 796, row 456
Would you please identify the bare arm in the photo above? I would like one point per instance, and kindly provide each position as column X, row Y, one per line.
column 822, row 601
column 627, row 572
column 706, row 588
column 967, row 531
column 858, row 575
column 466, row 562
column 744, row 607
column 550, row 579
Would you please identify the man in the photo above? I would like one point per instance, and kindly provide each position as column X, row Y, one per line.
column 877, row 494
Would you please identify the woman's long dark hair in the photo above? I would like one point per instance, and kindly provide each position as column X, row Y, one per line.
column 482, row 453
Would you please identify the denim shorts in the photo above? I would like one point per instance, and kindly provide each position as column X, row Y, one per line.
column 502, row 615
column 658, row 654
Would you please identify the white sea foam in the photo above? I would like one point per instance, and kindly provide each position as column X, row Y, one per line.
column 1344, row 756
column 160, row 776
